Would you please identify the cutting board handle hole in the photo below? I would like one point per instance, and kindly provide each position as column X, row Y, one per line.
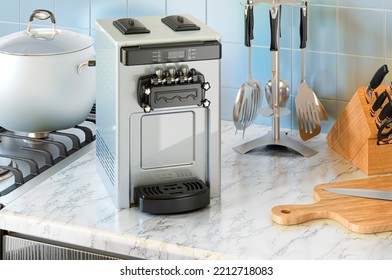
column 285, row 211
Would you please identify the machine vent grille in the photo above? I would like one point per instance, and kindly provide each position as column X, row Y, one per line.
column 193, row 186
column 167, row 190
column 105, row 157
column 153, row 190
column 173, row 197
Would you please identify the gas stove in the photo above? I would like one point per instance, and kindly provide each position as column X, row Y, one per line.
column 28, row 159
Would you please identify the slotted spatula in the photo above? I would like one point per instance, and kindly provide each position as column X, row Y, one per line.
column 249, row 96
column 307, row 112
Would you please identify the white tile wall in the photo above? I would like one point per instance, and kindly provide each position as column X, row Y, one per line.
column 348, row 40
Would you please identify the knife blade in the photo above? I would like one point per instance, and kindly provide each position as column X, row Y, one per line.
column 365, row 193
column 378, row 103
column 376, row 81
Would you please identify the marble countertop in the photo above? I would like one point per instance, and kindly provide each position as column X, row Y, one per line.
column 73, row 207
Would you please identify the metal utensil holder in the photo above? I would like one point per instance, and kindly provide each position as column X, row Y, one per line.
column 275, row 137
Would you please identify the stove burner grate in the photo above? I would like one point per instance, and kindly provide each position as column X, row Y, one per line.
column 38, row 154
column 4, row 172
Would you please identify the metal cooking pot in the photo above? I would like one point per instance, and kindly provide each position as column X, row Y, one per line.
column 45, row 81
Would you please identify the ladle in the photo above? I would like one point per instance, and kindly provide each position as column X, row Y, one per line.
column 283, row 88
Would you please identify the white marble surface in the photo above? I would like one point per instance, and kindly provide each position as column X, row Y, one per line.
column 73, row 207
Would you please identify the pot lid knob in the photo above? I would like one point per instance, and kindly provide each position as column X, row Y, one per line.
column 42, row 15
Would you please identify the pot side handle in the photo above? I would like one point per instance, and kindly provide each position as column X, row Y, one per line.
column 87, row 63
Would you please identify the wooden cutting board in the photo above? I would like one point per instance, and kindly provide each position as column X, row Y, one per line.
column 361, row 215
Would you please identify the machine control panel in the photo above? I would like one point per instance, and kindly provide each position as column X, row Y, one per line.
column 167, row 53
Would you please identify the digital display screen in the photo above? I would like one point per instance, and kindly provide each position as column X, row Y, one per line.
column 176, row 54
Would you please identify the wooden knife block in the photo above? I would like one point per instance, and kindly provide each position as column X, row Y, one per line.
column 354, row 135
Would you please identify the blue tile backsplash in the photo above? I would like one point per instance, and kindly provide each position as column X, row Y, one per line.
column 348, row 40
column 146, row 8
column 9, row 11
column 68, row 16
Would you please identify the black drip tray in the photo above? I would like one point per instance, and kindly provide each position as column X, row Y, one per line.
column 173, row 197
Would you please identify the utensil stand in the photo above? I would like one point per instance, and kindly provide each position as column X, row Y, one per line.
column 354, row 136
column 275, row 137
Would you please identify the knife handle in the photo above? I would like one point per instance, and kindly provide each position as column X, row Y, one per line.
column 378, row 103
column 303, row 24
column 378, row 77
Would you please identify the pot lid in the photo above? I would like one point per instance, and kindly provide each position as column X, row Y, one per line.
column 44, row 41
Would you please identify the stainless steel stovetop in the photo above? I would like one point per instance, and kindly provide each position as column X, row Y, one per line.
column 26, row 161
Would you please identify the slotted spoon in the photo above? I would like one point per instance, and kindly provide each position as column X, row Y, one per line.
column 307, row 110
column 249, row 97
